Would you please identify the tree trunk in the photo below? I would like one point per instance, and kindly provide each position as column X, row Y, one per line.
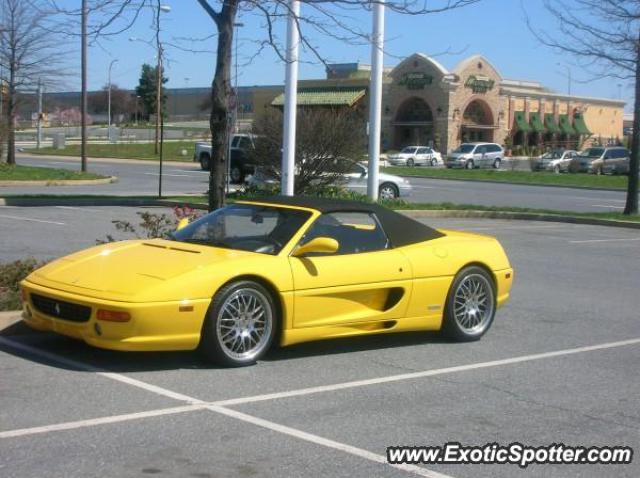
column 220, row 93
column 631, row 207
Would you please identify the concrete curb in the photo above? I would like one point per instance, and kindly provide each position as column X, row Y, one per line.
column 490, row 181
column 415, row 213
column 72, row 159
column 60, row 182
column 10, row 321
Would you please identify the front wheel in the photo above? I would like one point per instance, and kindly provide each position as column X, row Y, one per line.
column 434, row 162
column 469, row 164
column 240, row 325
column 470, row 306
column 236, row 175
column 496, row 163
column 388, row 191
column 556, row 169
column 411, row 162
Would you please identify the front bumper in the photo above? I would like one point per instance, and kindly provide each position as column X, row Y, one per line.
column 154, row 326
column 456, row 163
column 397, row 161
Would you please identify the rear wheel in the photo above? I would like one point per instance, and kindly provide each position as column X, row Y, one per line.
column 205, row 162
column 434, row 162
column 471, row 305
column 556, row 169
column 411, row 162
column 388, row 191
column 240, row 325
column 496, row 163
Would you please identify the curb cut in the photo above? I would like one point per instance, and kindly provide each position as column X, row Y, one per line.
column 60, row 182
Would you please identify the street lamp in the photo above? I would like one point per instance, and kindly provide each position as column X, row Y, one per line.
column 109, row 101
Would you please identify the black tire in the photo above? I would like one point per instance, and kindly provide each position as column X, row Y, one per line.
column 451, row 325
column 218, row 320
column 411, row 163
column 497, row 163
column 434, row 162
column 388, row 191
column 556, row 169
column 236, row 175
column 469, row 164
column 205, row 162
column 598, row 172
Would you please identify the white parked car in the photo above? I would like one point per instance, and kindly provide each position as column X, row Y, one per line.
column 389, row 186
column 416, row 156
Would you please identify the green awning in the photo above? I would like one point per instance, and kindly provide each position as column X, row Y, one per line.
column 325, row 97
column 521, row 122
column 550, row 123
column 565, row 126
column 580, row 126
column 536, row 123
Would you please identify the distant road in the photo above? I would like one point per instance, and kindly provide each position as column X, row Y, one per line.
column 141, row 178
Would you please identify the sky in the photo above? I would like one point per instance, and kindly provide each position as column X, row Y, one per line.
column 493, row 28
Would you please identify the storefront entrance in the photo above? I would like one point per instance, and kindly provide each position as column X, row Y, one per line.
column 413, row 125
column 477, row 123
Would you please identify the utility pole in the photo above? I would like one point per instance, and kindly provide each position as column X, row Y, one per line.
column 290, row 101
column 109, row 101
column 83, row 99
column 39, row 132
column 375, row 99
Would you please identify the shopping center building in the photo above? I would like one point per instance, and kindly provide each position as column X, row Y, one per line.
column 424, row 103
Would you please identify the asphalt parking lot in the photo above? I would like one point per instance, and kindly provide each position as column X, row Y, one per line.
column 559, row 366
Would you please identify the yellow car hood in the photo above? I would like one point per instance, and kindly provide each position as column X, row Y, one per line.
column 120, row 270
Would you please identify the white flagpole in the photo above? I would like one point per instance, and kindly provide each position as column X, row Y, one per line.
column 375, row 98
column 290, row 100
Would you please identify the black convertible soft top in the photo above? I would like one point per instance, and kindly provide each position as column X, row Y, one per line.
column 400, row 229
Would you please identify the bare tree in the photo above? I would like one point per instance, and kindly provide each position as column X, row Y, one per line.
column 325, row 17
column 604, row 38
column 328, row 142
column 29, row 52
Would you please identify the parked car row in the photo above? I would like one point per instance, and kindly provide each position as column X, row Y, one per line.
column 595, row 160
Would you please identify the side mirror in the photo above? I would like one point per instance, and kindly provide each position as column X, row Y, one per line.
column 323, row 245
column 184, row 222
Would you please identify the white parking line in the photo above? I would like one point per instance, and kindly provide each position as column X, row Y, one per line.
column 301, row 435
column 99, row 421
column 74, row 208
column 589, row 241
column 607, row 206
column 18, row 218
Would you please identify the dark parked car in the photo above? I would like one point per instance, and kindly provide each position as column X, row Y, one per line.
column 241, row 145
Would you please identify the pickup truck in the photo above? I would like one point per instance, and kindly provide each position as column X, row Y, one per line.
column 241, row 144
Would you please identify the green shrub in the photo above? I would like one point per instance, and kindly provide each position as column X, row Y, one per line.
column 11, row 273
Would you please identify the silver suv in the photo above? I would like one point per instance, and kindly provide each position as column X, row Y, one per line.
column 476, row 155
column 613, row 161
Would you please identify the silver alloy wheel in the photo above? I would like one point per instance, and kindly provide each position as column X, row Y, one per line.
column 244, row 324
column 469, row 164
column 434, row 162
column 473, row 304
column 556, row 169
column 387, row 191
column 410, row 162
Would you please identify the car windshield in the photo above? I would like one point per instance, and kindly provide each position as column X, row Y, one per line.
column 552, row 155
column 464, row 148
column 592, row 152
column 247, row 227
column 409, row 150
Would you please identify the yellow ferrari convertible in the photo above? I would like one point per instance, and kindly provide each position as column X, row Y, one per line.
column 279, row 269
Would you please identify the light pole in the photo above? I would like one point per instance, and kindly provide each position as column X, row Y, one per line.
column 109, row 101
column 287, row 176
column 375, row 100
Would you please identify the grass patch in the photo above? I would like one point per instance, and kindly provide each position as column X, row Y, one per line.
column 172, row 151
column 515, row 177
column 30, row 173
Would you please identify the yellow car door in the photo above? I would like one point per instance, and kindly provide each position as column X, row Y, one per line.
column 363, row 281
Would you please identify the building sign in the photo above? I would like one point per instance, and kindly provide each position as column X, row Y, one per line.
column 416, row 81
column 479, row 84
